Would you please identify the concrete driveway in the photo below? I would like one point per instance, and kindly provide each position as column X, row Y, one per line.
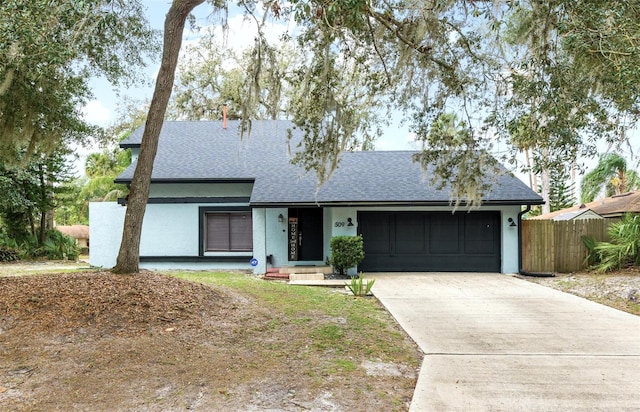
column 498, row 343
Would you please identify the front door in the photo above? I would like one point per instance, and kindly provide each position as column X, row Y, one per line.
column 305, row 228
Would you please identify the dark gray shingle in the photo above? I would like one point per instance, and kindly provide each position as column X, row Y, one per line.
column 204, row 151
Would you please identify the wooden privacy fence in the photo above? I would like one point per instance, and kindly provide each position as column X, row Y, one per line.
column 556, row 246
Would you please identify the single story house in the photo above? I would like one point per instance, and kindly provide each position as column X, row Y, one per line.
column 219, row 201
column 79, row 232
column 609, row 207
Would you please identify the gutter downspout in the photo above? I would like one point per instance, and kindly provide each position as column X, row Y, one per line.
column 520, row 271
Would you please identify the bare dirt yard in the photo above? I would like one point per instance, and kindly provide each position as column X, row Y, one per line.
column 620, row 289
column 209, row 342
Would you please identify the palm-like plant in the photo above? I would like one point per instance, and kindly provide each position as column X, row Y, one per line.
column 107, row 162
column 612, row 174
column 624, row 248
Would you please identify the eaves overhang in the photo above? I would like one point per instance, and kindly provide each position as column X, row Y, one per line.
column 189, row 180
column 531, row 202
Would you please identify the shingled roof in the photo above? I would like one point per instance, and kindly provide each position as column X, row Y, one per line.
column 205, row 152
column 614, row 206
column 75, row 231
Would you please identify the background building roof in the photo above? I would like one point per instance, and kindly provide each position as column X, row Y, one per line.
column 74, row 231
column 613, row 206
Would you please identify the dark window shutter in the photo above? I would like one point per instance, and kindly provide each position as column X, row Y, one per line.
column 241, row 231
column 217, row 232
column 229, row 232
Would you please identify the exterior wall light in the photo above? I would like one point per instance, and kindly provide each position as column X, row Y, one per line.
column 511, row 222
column 280, row 218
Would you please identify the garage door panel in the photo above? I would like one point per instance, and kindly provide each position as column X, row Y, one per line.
column 376, row 229
column 409, row 233
column 444, row 234
column 442, row 263
column 480, row 234
column 430, row 241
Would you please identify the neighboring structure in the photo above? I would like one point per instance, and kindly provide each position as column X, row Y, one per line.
column 609, row 207
column 79, row 232
column 580, row 214
column 218, row 201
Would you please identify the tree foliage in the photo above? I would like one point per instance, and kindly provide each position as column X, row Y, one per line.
column 48, row 52
column 31, row 194
column 521, row 71
column 612, row 175
column 208, row 77
column 102, row 168
column 562, row 192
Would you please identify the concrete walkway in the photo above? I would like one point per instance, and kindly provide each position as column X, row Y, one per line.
column 498, row 343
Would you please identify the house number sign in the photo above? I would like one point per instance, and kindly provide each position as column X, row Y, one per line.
column 349, row 222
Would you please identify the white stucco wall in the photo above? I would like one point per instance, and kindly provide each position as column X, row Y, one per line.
column 106, row 220
column 170, row 230
column 173, row 230
column 167, row 230
column 258, row 217
column 276, row 236
column 509, row 240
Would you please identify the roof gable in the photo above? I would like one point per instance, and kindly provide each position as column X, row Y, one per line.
column 204, row 151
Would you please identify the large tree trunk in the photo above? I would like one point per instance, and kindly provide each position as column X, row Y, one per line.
column 129, row 254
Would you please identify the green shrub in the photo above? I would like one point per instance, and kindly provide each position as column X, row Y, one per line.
column 346, row 252
column 624, row 248
column 59, row 247
column 56, row 247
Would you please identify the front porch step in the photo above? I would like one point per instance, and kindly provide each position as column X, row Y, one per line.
column 326, row 270
column 306, row 276
column 276, row 276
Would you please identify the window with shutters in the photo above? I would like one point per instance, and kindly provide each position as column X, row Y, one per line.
column 228, row 232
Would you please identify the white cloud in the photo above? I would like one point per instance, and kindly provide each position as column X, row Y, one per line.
column 95, row 112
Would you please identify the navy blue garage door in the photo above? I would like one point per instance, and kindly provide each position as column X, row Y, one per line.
column 430, row 241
